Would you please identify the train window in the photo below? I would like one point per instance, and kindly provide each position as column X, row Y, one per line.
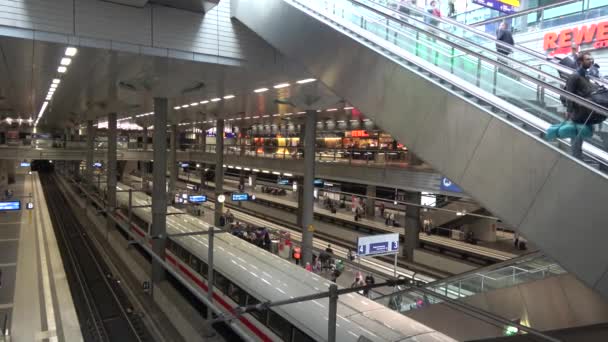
column 195, row 264
column 259, row 315
column 170, row 245
column 279, row 325
column 299, row 336
column 221, row 282
column 236, row 294
column 204, row 269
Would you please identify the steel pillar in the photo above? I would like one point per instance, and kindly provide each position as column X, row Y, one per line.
column 412, row 225
column 111, row 169
column 219, row 169
column 172, row 162
column 159, row 188
column 370, row 201
column 90, row 151
column 308, row 186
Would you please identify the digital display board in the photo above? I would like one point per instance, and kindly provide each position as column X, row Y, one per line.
column 10, row 205
column 319, row 182
column 197, row 199
column 98, row 165
column 25, row 164
column 240, row 197
column 185, row 165
column 499, row 5
column 283, row 181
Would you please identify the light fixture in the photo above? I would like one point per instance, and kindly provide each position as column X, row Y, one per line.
column 204, row 102
column 54, row 85
column 56, row 81
column 332, row 109
column 255, row 170
column 265, row 116
column 221, row 198
column 185, row 106
column 65, row 61
column 62, row 69
column 308, row 80
column 261, row 90
column 276, row 173
column 281, row 85
column 228, row 97
column 265, row 171
column 348, row 108
column 215, row 99
column 276, row 114
column 49, row 97
column 71, row 51
column 177, row 107
column 194, row 104
column 288, row 175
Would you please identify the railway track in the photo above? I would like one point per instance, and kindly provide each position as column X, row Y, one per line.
column 104, row 312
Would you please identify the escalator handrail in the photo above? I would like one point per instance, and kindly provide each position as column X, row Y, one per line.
column 524, row 12
column 539, row 56
column 569, row 96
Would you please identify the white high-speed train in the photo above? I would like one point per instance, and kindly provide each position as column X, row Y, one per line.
column 246, row 274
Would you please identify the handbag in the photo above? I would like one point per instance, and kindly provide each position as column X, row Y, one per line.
column 567, row 129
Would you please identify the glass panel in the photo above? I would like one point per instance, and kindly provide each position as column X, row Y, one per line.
column 279, row 325
column 299, row 336
column 221, row 282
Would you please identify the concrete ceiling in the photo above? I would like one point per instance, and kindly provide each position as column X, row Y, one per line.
column 189, row 5
column 100, row 81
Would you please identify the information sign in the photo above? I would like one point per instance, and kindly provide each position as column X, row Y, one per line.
column 197, row 199
column 240, row 197
column 25, row 164
column 10, row 205
column 447, row 185
column 499, row 5
column 185, row 165
column 378, row 244
column 29, row 205
column 98, row 165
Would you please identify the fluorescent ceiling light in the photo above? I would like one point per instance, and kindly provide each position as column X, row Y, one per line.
column 265, row 171
column 348, row 108
column 42, row 109
column 54, row 86
column 261, row 90
column 56, row 81
column 287, row 175
column 185, row 106
column 65, row 61
column 177, row 107
column 332, row 109
column 215, row 99
column 308, row 80
column 194, row 104
column 276, row 114
column 228, row 97
column 265, row 116
column 256, row 117
column 62, row 69
column 247, row 117
column 204, row 102
column 49, row 97
column 256, row 170
column 71, row 51
column 281, row 85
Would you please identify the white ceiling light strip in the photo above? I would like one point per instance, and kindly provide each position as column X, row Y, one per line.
column 62, row 69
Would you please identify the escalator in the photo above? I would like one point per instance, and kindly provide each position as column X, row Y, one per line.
column 476, row 117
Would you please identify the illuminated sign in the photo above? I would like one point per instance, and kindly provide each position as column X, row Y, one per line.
column 197, row 199
column 25, row 164
column 359, row 134
column 596, row 34
column 29, row 206
column 98, row 165
column 505, row 6
column 185, row 165
column 10, row 205
column 240, row 197
column 193, row 187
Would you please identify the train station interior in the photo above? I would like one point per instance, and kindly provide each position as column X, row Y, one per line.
column 303, row 170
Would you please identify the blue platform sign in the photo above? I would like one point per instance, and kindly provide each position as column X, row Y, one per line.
column 498, row 5
column 10, row 205
column 185, row 165
column 25, row 164
column 378, row 244
column 97, row 165
column 240, row 197
column 197, row 199
column 447, row 185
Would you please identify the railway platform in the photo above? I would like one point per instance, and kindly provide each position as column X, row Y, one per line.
column 35, row 299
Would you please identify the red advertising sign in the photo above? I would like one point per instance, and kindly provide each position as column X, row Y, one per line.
column 596, row 34
column 359, row 134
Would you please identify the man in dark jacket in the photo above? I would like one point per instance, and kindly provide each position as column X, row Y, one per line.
column 579, row 84
column 503, row 34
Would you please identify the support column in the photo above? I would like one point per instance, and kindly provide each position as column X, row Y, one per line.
column 370, row 201
column 219, row 169
column 300, row 199
column 172, row 162
column 159, row 191
column 144, row 138
column 412, row 225
column 202, row 141
column 90, row 150
column 111, row 169
column 310, row 132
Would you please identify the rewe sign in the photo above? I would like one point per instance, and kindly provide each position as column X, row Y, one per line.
column 596, row 34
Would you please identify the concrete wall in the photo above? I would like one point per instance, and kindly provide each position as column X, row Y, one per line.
column 553, row 303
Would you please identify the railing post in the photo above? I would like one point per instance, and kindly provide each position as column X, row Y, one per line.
column 333, row 313
column 478, row 80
